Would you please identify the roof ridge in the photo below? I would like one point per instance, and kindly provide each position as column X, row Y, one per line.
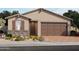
column 16, row 15
column 41, row 9
column 49, row 12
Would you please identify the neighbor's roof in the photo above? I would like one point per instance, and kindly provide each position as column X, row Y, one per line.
column 18, row 15
column 41, row 9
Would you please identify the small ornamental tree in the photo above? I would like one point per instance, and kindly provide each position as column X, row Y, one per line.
column 2, row 22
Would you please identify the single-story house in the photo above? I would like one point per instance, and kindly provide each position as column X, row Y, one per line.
column 39, row 22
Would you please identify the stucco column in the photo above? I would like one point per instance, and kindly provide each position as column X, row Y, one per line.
column 39, row 28
column 69, row 27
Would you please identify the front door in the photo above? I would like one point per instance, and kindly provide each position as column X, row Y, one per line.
column 33, row 28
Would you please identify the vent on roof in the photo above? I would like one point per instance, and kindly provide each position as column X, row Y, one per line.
column 40, row 10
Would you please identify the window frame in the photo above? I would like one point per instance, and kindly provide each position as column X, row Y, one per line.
column 19, row 24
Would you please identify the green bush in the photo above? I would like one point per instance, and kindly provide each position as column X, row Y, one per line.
column 73, row 33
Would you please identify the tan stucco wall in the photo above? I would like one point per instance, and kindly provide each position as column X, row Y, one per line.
column 46, row 17
column 26, row 23
column 10, row 23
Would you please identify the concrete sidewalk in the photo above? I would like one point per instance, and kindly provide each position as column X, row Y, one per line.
column 8, row 43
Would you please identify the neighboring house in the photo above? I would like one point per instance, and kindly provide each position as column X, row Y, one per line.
column 39, row 22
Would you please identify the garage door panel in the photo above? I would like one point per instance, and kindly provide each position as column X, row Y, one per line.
column 43, row 29
column 51, row 29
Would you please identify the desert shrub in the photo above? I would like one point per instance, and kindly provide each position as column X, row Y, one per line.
column 8, row 35
column 34, row 37
column 27, row 37
column 40, row 38
column 19, row 38
column 37, row 38
column 8, row 38
column 14, row 37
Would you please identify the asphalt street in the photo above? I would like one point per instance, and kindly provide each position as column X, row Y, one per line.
column 41, row 48
column 38, row 46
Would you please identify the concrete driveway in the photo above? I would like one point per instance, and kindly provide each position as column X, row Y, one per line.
column 61, row 38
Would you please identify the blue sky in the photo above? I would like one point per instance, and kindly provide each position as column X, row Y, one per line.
column 56, row 10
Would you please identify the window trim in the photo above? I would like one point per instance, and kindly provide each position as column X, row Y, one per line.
column 16, row 24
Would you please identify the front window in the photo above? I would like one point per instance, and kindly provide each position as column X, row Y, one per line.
column 18, row 24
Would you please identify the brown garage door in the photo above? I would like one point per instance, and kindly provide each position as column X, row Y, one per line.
column 52, row 29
